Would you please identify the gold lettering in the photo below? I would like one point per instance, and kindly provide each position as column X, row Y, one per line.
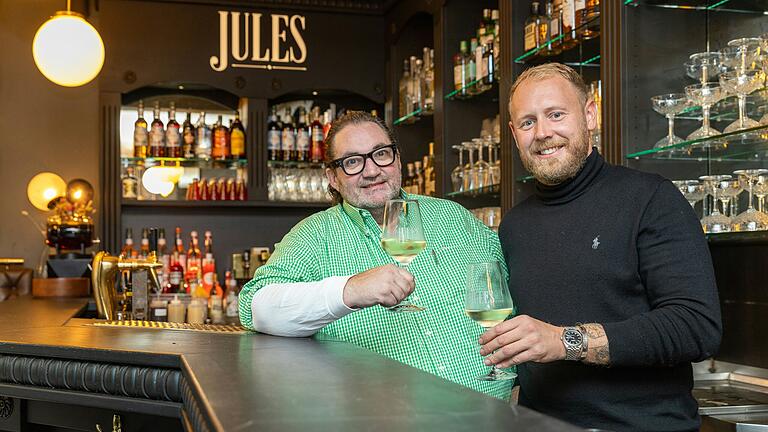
column 278, row 35
column 257, row 56
column 220, row 63
column 236, row 37
column 298, row 38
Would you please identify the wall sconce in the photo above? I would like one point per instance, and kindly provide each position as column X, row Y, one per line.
column 68, row 50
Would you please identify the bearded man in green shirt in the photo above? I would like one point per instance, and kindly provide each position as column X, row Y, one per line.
column 330, row 276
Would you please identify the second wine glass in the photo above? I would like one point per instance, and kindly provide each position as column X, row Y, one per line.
column 402, row 237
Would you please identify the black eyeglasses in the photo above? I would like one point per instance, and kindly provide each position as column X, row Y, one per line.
column 355, row 164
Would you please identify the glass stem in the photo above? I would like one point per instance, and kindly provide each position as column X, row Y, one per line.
column 760, row 202
column 705, row 112
column 671, row 118
column 742, row 109
column 715, row 210
column 750, row 195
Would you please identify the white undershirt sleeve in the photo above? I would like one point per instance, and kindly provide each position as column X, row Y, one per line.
column 299, row 309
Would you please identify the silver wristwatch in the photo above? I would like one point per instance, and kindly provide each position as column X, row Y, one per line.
column 575, row 342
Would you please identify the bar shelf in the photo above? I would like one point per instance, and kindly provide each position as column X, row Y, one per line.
column 412, row 117
column 220, row 204
column 738, row 6
column 492, row 190
column 185, row 162
column 491, row 94
column 745, row 145
column 584, row 53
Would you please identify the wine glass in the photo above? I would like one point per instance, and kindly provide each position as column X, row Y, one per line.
column 488, row 302
column 402, row 237
column 715, row 222
column 693, row 191
column 741, row 84
column 750, row 219
column 482, row 168
column 457, row 175
column 706, row 95
column 669, row 105
column 469, row 169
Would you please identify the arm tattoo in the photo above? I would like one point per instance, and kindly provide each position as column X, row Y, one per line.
column 598, row 352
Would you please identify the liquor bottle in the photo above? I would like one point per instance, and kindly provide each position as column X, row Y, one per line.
column 175, row 273
column 302, row 137
column 418, row 186
column 274, row 132
column 130, row 184
column 429, row 171
column 215, row 307
column 556, row 27
column 531, row 28
column 144, row 248
column 543, row 26
column 461, row 70
column 188, row 136
column 204, row 139
column 480, row 65
column 569, row 24
column 172, row 134
column 402, row 90
column 140, row 134
column 209, row 263
column 590, row 15
column 288, row 138
column 417, row 85
column 496, row 39
column 193, row 257
column 327, row 121
column 230, row 295
column 553, row 28
column 472, row 67
column 128, row 250
column 220, row 149
column 410, row 179
column 237, row 138
column 489, row 63
column 317, row 143
column 429, row 80
column 162, row 243
column 157, row 135
column 179, row 250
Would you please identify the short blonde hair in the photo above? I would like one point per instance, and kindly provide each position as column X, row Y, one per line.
column 551, row 70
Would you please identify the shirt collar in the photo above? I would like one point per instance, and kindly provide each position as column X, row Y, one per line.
column 359, row 216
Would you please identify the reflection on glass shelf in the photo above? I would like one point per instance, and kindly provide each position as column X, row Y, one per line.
column 525, row 179
column 742, row 6
column 412, row 117
column 470, row 92
column 182, row 161
column 294, row 164
column 486, row 191
column 591, row 23
column 744, row 145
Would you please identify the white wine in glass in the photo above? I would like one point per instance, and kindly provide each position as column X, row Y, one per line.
column 488, row 302
column 402, row 237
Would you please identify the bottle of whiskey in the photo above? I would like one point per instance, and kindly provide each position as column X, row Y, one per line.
column 302, row 137
column 569, row 24
column 128, row 250
column 157, row 134
column 140, row 134
column 274, row 132
column 317, row 143
column 237, row 138
column 288, row 138
column 188, row 136
column 543, row 26
column 531, row 40
column 220, row 149
column 204, row 139
column 172, row 134
column 556, row 27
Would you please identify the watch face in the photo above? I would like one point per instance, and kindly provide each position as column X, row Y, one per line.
column 573, row 337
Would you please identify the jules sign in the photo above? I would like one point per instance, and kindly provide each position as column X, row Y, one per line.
column 241, row 44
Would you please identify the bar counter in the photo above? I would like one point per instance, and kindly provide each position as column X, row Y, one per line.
column 226, row 382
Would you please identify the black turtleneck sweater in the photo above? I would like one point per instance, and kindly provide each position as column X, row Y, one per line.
column 621, row 248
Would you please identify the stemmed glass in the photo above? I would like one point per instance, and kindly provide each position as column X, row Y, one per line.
column 705, row 66
column 729, row 191
column 715, row 222
column 693, row 191
column 706, row 95
column 750, row 219
column 761, row 190
column 494, row 172
column 742, row 83
column 764, row 64
column 669, row 105
column 482, row 168
column 457, row 175
column 488, row 302
column 469, row 169
column 740, row 54
column 402, row 237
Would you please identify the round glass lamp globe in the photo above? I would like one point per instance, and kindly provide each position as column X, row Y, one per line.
column 68, row 50
column 43, row 188
column 159, row 180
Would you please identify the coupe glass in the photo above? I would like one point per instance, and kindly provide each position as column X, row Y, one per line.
column 457, row 175
column 705, row 66
column 693, row 190
column 488, row 302
column 402, row 237
column 760, row 189
column 750, row 219
column 706, row 95
column 715, row 222
column 729, row 190
column 669, row 105
column 741, row 84
column 764, row 65
column 740, row 54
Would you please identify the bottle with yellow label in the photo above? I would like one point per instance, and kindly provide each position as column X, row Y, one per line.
column 237, row 138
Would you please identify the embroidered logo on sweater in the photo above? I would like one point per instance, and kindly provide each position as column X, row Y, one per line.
column 595, row 242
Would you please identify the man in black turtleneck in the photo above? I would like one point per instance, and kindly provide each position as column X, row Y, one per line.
column 610, row 273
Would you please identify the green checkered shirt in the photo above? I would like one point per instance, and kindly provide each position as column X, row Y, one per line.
column 344, row 240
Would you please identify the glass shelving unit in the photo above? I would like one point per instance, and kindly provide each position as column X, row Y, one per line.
column 186, row 162
column 738, row 6
column 744, row 145
column 590, row 46
column 412, row 117
column 464, row 93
